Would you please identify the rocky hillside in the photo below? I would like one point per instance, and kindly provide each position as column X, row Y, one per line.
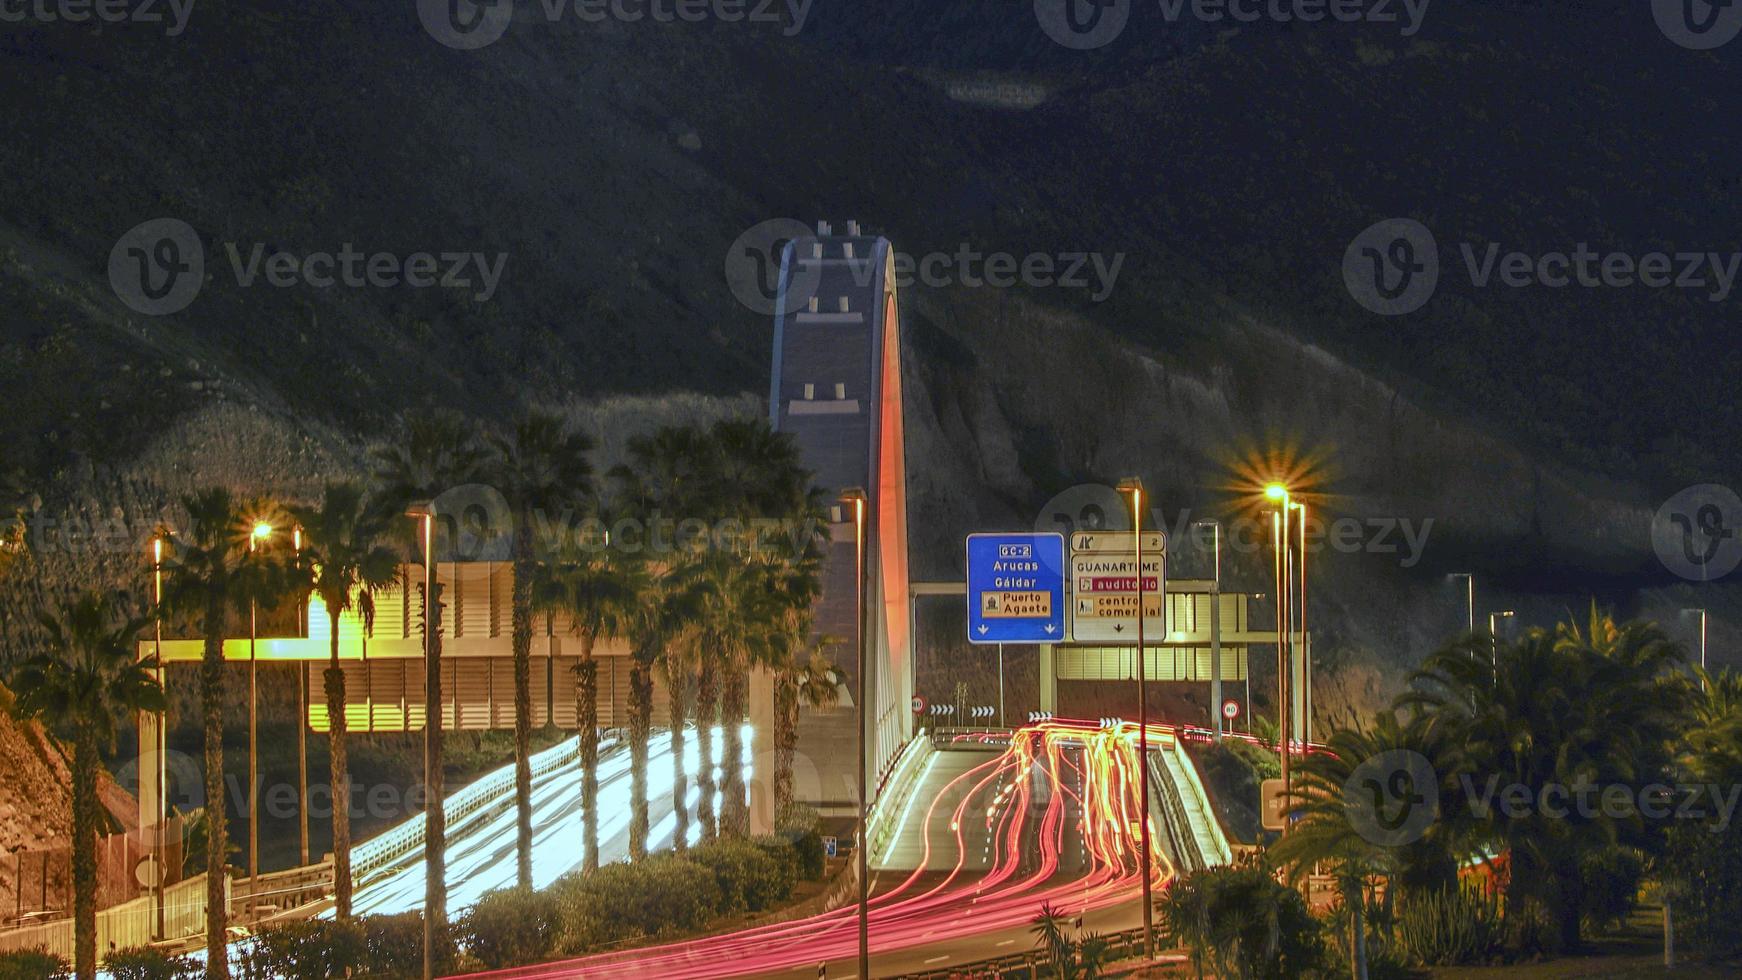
column 614, row 165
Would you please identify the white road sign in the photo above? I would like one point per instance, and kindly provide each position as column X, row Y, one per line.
column 1104, row 587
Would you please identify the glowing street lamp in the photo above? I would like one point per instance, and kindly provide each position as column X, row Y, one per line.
column 1280, row 542
column 856, row 498
column 1134, row 487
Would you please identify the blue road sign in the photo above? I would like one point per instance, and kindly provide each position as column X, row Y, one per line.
column 1016, row 588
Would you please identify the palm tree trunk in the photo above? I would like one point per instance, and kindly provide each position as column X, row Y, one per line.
column 640, row 730
column 707, row 711
column 676, row 686
column 85, row 853
column 217, row 821
column 587, row 725
column 1357, row 906
column 785, row 738
column 435, row 804
column 734, row 813
column 522, row 616
column 341, row 775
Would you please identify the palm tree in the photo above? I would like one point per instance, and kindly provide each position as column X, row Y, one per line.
column 210, row 571
column 349, row 564
column 804, row 677
column 664, row 609
column 541, row 468
column 743, row 616
column 1566, row 708
column 600, row 588
column 88, row 678
column 439, row 451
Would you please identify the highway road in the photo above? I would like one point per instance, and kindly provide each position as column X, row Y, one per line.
column 1048, row 817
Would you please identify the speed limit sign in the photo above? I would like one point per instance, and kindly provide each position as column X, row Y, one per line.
column 1230, row 709
column 918, row 705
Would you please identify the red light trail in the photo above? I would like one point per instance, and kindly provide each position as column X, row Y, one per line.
column 1038, row 767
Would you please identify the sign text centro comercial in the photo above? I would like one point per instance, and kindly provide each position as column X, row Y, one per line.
column 1016, row 588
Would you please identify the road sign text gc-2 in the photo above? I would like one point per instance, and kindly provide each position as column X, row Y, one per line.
column 1016, row 588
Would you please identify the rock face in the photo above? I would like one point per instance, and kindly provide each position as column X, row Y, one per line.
column 35, row 806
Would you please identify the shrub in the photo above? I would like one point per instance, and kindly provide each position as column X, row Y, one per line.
column 587, row 921
column 511, row 926
column 1243, row 922
column 1449, row 927
column 33, row 964
column 145, row 963
column 316, row 949
column 800, row 828
column 393, row 946
column 1609, row 882
column 749, row 878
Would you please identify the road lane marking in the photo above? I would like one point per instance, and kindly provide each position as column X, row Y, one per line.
column 937, row 959
column 1006, row 942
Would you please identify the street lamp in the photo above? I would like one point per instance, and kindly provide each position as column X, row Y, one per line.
column 1216, row 625
column 435, row 813
column 1134, row 486
column 1494, row 619
column 1306, row 644
column 257, row 538
column 1469, row 596
column 1280, row 541
column 855, row 498
column 301, row 714
column 159, row 740
column 1702, row 613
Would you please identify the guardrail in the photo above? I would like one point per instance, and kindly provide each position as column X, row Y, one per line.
column 132, row 923
column 881, row 823
column 379, row 853
column 1034, row 964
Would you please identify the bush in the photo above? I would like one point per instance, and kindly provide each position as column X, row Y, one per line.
column 145, row 963
column 1240, row 921
column 1449, row 927
column 587, row 921
column 393, row 946
column 511, row 926
column 316, row 949
column 749, row 877
column 33, row 964
column 1609, row 882
column 660, row 895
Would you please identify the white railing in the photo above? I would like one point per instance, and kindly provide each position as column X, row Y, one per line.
column 132, row 923
column 900, row 786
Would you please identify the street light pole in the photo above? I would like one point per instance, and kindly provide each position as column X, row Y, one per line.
column 1216, row 627
column 435, row 818
column 1306, row 644
column 856, row 498
column 158, row 775
column 1469, row 596
column 1284, row 598
column 1702, row 613
column 1494, row 619
column 301, row 719
column 260, row 533
column 1135, row 487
